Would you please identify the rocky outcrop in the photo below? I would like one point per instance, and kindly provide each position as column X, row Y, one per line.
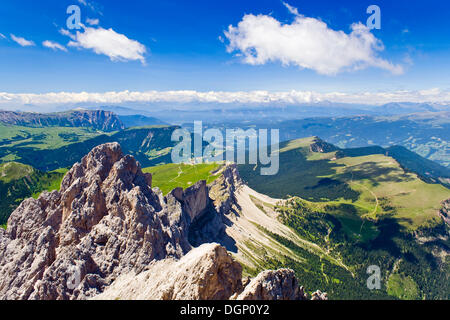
column 210, row 224
column 108, row 235
column 195, row 200
column 205, row 273
column 444, row 212
column 95, row 119
column 321, row 146
column 319, row 295
column 273, row 285
column 222, row 190
column 105, row 221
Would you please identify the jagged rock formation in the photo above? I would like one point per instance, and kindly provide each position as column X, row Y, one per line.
column 108, row 234
column 95, row 119
column 444, row 212
column 273, row 285
column 321, row 146
column 209, row 225
column 222, row 190
column 208, row 272
column 105, row 221
column 319, row 295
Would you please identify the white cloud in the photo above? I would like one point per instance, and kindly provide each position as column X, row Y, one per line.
column 307, row 43
column 22, row 41
column 53, row 45
column 2, row 36
column 67, row 33
column 257, row 98
column 291, row 9
column 91, row 5
column 92, row 22
column 108, row 42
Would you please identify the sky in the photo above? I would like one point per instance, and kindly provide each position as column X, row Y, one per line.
column 223, row 51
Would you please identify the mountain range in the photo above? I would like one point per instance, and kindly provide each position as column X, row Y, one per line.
column 97, row 120
column 329, row 213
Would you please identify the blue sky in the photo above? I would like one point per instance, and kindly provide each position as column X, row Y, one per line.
column 186, row 48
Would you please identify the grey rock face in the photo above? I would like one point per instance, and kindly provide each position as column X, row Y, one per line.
column 105, row 221
column 195, row 199
column 222, row 190
column 205, row 273
column 273, row 285
column 319, row 295
column 321, row 146
column 209, row 226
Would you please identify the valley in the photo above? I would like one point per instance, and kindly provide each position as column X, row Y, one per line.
column 224, row 153
column 331, row 233
column 328, row 214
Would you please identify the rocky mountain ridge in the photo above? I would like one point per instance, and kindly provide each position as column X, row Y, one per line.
column 95, row 119
column 108, row 235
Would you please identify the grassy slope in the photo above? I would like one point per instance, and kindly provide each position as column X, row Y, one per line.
column 52, row 148
column 12, row 171
column 304, row 253
column 43, row 138
column 19, row 182
column 47, row 149
column 170, row 176
column 375, row 185
column 363, row 208
column 425, row 134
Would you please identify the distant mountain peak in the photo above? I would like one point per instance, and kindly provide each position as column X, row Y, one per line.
column 95, row 119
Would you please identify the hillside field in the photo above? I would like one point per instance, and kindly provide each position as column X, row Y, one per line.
column 19, row 181
column 170, row 176
column 375, row 185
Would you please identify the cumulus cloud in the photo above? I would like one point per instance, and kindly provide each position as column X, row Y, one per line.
column 259, row 98
column 92, row 22
column 53, row 45
column 22, row 41
column 307, row 43
column 107, row 42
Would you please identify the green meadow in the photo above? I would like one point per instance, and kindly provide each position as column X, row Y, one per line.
column 43, row 138
column 170, row 176
column 402, row 287
column 19, row 181
column 371, row 186
column 12, row 171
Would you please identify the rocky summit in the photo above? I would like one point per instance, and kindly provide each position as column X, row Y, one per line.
column 106, row 234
